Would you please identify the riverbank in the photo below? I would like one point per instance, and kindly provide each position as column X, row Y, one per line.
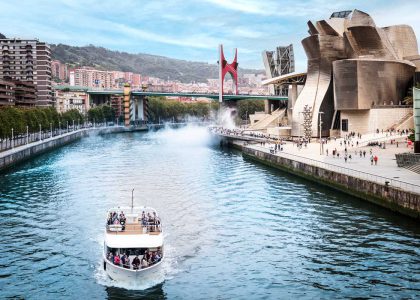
column 16, row 155
column 385, row 184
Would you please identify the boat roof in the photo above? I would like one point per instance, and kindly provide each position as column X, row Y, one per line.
column 134, row 240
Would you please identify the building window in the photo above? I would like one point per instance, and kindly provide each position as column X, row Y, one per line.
column 345, row 125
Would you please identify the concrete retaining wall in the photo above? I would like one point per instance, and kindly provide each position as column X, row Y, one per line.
column 393, row 198
column 14, row 156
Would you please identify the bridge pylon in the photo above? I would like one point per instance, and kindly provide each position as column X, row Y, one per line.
column 127, row 100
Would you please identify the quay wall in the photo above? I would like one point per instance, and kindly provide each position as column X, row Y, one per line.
column 19, row 154
column 393, row 198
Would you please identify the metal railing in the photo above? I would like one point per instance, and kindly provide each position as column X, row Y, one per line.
column 25, row 139
column 392, row 182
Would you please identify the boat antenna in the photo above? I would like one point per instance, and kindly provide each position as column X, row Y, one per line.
column 132, row 199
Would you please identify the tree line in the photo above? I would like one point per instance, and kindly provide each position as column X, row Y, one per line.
column 17, row 118
column 159, row 108
column 162, row 110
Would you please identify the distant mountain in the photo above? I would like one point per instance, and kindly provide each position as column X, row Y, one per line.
column 145, row 64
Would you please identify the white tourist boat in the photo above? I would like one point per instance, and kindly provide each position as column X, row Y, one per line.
column 134, row 234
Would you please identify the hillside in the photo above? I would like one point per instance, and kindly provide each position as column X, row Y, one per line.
column 145, row 64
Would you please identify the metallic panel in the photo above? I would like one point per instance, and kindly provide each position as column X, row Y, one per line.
column 362, row 83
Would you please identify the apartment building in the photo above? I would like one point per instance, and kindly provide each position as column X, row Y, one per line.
column 59, row 70
column 28, row 61
column 90, row 77
column 67, row 99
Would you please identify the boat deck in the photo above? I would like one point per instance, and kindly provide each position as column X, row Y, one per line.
column 135, row 229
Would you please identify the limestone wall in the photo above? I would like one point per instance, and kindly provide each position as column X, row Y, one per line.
column 367, row 121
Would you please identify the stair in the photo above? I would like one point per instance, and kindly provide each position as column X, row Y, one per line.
column 401, row 122
column 414, row 168
column 269, row 120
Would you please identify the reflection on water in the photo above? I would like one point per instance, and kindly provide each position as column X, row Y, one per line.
column 233, row 228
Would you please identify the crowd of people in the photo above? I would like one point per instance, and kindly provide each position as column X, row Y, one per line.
column 116, row 219
column 151, row 221
column 148, row 259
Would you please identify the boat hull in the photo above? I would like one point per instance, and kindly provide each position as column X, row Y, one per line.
column 120, row 274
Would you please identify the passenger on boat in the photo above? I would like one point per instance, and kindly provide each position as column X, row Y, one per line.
column 110, row 256
column 136, row 262
column 122, row 220
column 117, row 260
column 143, row 219
column 125, row 260
column 144, row 263
column 109, row 221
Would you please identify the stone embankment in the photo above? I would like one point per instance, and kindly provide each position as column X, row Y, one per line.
column 386, row 195
column 19, row 154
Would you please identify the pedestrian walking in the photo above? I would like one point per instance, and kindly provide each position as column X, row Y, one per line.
column 376, row 160
column 364, row 153
column 371, row 160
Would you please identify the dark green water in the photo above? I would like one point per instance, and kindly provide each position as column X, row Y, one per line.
column 233, row 229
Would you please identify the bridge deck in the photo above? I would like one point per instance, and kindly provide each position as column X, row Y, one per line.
column 227, row 97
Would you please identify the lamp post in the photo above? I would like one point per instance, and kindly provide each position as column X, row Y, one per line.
column 13, row 140
column 67, row 126
column 40, row 132
column 73, row 125
column 321, row 148
column 50, row 130
column 246, row 117
column 27, row 134
column 59, row 128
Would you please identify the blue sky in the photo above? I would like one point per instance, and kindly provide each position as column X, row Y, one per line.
column 186, row 29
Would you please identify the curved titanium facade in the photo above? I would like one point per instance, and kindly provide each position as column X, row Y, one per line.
column 353, row 65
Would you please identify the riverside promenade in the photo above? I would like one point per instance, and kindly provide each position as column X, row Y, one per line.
column 385, row 184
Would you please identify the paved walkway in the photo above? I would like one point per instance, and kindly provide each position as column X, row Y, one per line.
column 385, row 170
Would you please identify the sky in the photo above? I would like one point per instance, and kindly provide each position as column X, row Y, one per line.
column 190, row 30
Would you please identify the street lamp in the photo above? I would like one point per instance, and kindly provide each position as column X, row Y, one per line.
column 27, row 134
column 67, row 126
column 50, row 130
column 321, row 148
column 13, row 140
column 246, row 117
column 59, row 127
column 73, row 125
column 40, row 132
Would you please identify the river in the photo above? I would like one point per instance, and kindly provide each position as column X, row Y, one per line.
column 234, row 229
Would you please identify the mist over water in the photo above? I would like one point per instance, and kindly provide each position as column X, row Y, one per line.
column 233, row 228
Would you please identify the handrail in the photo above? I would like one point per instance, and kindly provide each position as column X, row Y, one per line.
column 352, row 172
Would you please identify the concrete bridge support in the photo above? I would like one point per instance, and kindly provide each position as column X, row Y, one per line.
column 127, row 96
column 138, row 110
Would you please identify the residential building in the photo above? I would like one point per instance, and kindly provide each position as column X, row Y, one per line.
column 28, row 61
column 67, row 99
column 90, row 77
column 7, row 93
column 25, row 93
column 59, row 70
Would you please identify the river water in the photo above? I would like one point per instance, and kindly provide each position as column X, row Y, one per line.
column 233, row 228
